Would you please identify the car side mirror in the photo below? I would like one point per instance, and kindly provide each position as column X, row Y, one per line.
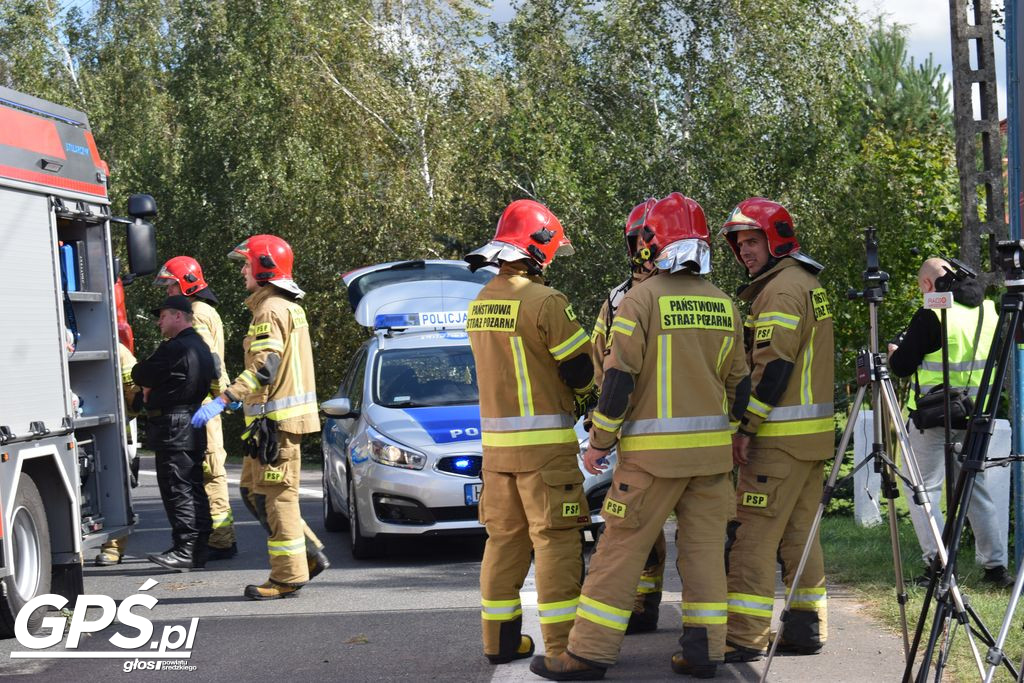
column 337, row 407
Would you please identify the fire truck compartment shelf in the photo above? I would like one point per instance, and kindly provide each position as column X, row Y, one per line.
column 92, row 421
column 88, row 355
column 85, row 296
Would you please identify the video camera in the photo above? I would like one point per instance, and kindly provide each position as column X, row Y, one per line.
column 956, row 271
column 1010, row 258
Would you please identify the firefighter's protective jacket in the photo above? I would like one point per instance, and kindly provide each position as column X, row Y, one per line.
column 788, row 336
column 206, row 321
column 605, row 317
column 132, row 392
column 523, row 335
column 675, row 374
column 278, row 378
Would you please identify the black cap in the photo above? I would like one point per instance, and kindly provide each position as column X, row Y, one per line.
column 175, row 303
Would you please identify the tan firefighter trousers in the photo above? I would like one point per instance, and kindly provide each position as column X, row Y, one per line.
column 542, row 511
column 272, row 495
column 215, row 480
column 635, row 511
column 777, row 498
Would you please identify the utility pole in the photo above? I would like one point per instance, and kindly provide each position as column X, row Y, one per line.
column 1015, row 140
column 979, row 157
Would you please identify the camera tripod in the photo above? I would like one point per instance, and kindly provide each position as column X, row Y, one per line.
column 872, row 371
column 951, row 613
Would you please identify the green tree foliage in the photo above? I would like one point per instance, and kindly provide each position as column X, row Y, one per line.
column 370, row 130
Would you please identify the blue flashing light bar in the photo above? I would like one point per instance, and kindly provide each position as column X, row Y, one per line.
column 388, row 320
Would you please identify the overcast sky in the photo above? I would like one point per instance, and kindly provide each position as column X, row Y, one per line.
column 927, row 24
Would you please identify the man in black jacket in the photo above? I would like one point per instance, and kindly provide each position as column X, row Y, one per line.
column 175, row 380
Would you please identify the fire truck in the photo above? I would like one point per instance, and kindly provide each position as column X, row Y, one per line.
column 65, row 451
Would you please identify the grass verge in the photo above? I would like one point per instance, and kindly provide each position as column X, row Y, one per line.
column 861, row 559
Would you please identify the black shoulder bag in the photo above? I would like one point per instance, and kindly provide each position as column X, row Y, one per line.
column 930, row 411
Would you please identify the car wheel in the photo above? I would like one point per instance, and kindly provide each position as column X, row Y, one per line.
column 29, row 536
column 363, row 548
column 333, row 519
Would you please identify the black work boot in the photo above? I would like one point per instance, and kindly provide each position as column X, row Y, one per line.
column 786, row 647
column 734, row 654
column 998, row 577
column 215, row 554
column 681, row 666
column 317, row 563
column 178, row 558
column 200, row 551
column 644, row 617
column 565, row 667
column 524, row 650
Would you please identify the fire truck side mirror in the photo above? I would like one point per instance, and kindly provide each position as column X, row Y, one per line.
column 141, row 206
column 141, row 238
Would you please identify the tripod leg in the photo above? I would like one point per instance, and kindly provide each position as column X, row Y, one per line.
column 995, row 653
column 844, row 442
column 890, row 492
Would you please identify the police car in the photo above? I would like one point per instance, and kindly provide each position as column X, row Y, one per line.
column 401, row 438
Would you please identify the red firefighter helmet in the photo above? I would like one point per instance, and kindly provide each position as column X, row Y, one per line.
column 675, row 235
column 183, row 270
column 271, row 259
column 758, row 213
column 526, row 229
column 638, row 255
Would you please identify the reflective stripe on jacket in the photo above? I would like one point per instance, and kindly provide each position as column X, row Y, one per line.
column 966, row 363
column 679, row 337
column 278, row 379
column 520, row 330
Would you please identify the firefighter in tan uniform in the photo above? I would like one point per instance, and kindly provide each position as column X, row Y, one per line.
column 673, row 332
column 648, row 590
column 784, row 436
column 278, row 393
column 112, row 552
column 535, row 373
column 183, row 275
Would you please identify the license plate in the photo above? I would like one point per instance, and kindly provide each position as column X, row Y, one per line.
column 473, row 494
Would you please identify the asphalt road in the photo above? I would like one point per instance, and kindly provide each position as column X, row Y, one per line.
column 411, row 615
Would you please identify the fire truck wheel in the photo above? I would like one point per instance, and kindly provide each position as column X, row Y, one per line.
column 29, row 535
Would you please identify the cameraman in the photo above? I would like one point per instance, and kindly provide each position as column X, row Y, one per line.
column 971, row 324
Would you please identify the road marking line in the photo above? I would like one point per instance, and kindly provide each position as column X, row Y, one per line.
column 311, row 493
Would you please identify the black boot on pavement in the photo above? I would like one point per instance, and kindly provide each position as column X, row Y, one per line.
column 524, row 650
column 681, row 666
column 317, row 563
column 786, row 648
column 215, row 554
column 178, row 558
column 565, row 667
column 644, row 617
column 735, row 654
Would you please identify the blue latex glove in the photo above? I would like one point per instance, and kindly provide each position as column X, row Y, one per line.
column 235, row 405
column 208, row 412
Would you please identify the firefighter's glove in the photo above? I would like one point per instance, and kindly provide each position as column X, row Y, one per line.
column 208, row 412
column 260, row 439
column 585, row 402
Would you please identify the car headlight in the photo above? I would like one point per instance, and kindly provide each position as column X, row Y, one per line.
column 387, row 452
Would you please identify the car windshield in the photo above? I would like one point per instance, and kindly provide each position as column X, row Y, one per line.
column 437, row 376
